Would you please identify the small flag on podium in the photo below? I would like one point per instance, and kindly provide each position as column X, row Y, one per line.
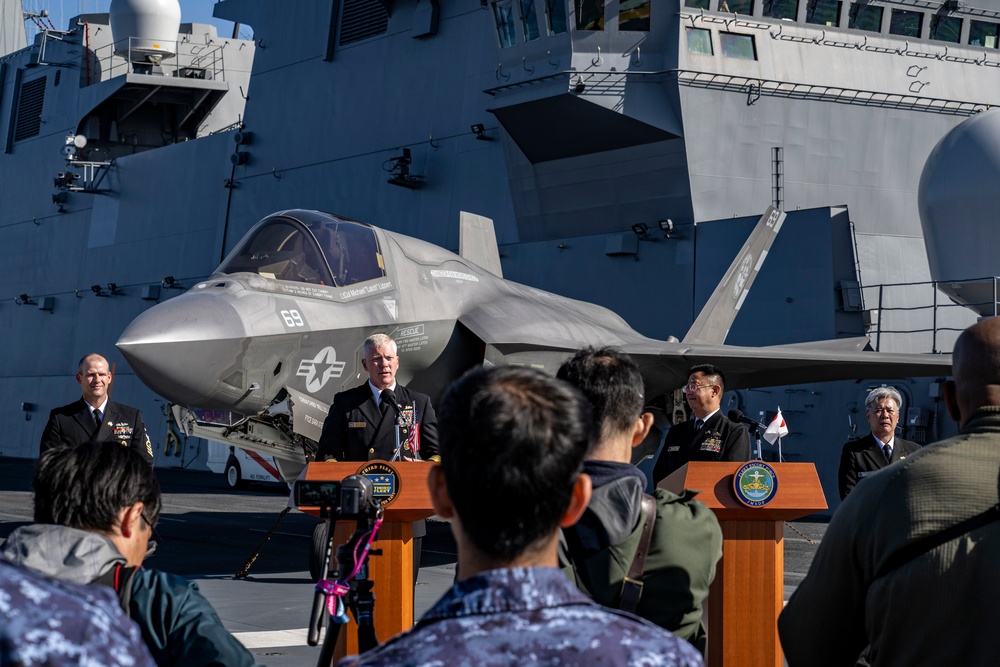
column 776, row 429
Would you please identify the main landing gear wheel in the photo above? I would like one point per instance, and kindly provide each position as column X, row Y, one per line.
column 317, row 550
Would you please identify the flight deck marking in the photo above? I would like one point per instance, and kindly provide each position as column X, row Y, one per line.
column 308, row 369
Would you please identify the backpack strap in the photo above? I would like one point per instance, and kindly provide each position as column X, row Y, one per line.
column 632, row 583
column 929, row 542
column 120, row 578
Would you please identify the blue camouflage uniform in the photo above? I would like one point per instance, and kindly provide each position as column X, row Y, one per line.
column 527, row 616
column 55, row 623
column 178, row 625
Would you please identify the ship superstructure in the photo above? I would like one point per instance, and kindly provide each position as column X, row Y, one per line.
column 623, row 148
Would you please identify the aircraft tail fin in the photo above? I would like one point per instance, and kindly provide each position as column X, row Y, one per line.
column 713, row 322
column 477, row 242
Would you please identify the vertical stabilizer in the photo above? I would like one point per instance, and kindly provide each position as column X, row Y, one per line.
column 715, row 319
column 12, row 36
column 477, row 242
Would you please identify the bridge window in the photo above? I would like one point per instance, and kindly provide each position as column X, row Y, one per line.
column 503, row 17
column 633, row 15
column 781, row 9
column 696, row 4
column 529, row 22
column 823, row 12
column 744, row 7
column 590, row 14
column 738, row 46
column 555, row 16
column 865, row 17
column 905, row 23
column 946, row 28
column 699, row 41
column 982, row 33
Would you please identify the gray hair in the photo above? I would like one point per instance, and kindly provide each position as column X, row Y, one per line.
column 375, row 341
column 881, row 393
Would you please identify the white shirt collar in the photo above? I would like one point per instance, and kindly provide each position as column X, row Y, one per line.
column 708, row 416
column 377, row 393
column 891, row 443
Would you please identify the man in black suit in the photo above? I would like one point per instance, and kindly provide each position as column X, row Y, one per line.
column 711, row 435
column 96, row 418
column 362, row 423
column 864, row 456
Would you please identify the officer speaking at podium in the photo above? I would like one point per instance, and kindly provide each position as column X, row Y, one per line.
column 362, row 422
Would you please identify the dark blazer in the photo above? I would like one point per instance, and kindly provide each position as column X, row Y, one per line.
column 718, row 440
column 73, row 424
column 863, row 456
column 355, row 430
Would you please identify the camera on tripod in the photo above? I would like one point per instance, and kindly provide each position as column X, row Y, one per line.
column 351, row 498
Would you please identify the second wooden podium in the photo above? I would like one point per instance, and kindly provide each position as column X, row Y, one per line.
column 748, row 592
column 392, row 571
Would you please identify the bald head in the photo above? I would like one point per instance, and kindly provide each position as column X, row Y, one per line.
column 976, row 368
column 94, row 377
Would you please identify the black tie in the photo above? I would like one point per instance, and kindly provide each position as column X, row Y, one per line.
column 888, row 452
column 698, row 424
column 97, row 418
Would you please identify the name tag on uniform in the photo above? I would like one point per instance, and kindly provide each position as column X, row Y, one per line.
column 675, row 448
column 356, row 424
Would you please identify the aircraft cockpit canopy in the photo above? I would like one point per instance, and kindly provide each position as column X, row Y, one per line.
column 315, row 248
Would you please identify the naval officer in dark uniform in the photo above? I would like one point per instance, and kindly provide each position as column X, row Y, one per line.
column 711, row 435
column 362, row 422
column 864, row 456
column 96, row 418
column 361, row 425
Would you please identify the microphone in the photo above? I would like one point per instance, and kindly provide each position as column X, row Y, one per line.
column 738, row 416
column 389, row 396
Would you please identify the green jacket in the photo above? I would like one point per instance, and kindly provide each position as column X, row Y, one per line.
column 685, row 547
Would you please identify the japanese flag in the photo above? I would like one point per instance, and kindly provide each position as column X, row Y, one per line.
column 776, row 429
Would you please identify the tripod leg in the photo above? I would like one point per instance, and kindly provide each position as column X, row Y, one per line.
column 330, row 641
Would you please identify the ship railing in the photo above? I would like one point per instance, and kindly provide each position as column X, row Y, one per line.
column 811, row 91
column 190, row 60
column 920, row 317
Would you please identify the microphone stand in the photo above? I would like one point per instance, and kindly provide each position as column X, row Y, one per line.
column 397, row 454
column 756, row 436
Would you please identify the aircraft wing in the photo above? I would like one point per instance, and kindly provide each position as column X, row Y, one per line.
column 665, row 366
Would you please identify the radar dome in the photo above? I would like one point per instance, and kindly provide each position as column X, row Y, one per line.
column 145, row 30
column 959, row 201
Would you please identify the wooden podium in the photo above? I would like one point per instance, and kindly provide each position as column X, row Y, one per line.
column 392, row 572
column 748, row 592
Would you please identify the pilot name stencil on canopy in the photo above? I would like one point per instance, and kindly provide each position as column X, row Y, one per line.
column 367, row 289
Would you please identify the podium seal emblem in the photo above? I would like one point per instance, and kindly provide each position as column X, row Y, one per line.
column 755, row 484
column 384, row 478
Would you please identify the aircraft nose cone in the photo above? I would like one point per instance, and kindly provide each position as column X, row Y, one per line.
column 184, row 349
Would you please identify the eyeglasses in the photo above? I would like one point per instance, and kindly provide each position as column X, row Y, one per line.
column 154, row 540
column 879, row 411
column 691, row 386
